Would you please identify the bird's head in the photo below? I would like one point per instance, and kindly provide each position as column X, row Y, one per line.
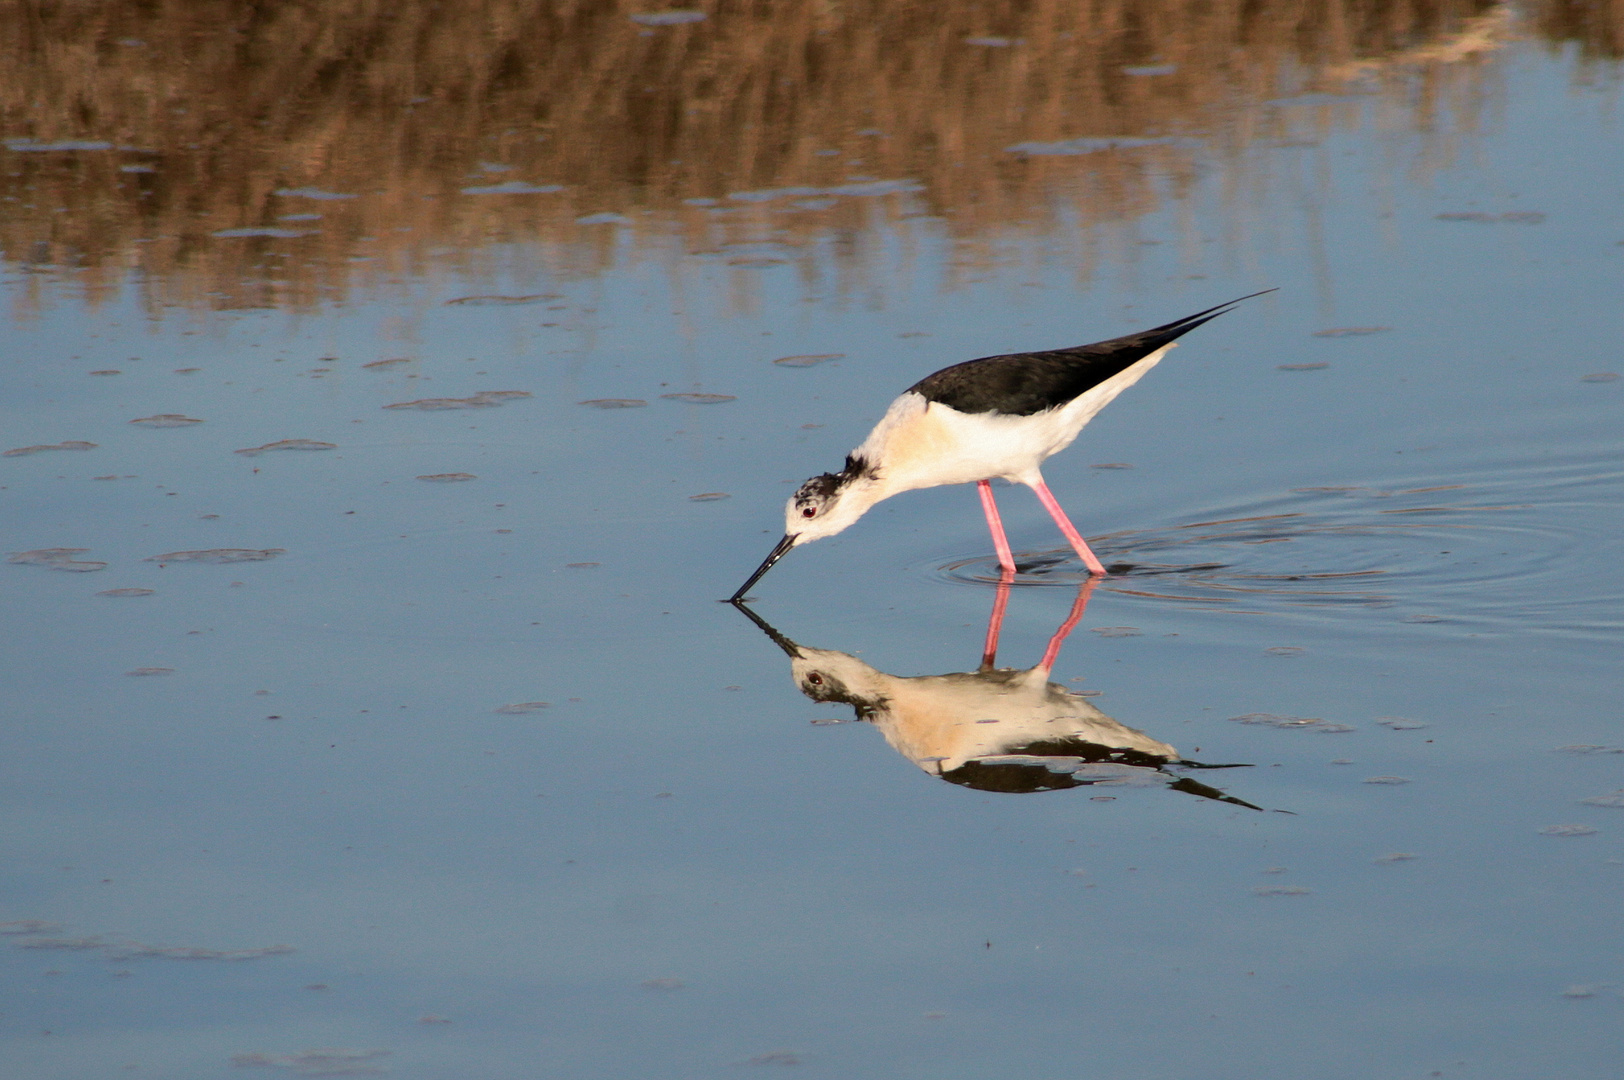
column 828, row 676
column 823, row 506
column 828, row 503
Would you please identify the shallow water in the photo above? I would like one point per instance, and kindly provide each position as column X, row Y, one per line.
column 401, row 731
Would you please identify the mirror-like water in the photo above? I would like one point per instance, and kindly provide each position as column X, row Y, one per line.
column 389, row 398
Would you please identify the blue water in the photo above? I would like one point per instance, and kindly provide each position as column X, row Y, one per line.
column 669, row 870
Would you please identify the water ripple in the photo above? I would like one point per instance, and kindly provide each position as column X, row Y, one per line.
column 1527, row 543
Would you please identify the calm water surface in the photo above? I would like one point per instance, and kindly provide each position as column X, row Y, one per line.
column 427, row 750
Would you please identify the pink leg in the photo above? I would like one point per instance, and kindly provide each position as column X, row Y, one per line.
column 989, row 650
column 995, row 525
column 1077, row 542
column 1078, row 606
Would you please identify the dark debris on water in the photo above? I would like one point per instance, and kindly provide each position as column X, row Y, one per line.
column 166, row 420
column 219, row 555
column 288, row 444
column 70, row 444
column 485, row 399
column 57, row 559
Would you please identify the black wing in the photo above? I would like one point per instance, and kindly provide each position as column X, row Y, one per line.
column 1021, row 384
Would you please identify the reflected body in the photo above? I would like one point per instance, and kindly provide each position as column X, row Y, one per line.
column 999, row 417
column 995, row 729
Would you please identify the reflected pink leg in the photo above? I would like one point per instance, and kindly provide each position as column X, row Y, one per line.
column 995, row 525
column 995, row 624
column 1077, row 542
column 1078, row 606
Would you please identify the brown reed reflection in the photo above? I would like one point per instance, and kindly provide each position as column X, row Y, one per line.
column 138, row 133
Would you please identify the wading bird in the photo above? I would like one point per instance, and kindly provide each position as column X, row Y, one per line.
column 1000, row 416
column 996, row 729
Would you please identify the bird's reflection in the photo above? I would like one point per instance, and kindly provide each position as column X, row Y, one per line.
column 996, row 729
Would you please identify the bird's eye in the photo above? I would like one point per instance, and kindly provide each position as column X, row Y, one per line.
column 809, row 512
column 815, row 679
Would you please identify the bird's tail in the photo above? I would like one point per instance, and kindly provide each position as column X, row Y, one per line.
column 1179, row 327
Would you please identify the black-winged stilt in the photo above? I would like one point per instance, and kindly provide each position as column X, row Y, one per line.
column 997, row 417
column 997, row 729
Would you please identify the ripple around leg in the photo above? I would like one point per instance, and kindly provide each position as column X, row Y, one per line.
column 1522, row 546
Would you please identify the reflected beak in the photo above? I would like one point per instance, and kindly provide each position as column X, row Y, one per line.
column 790, row 648
column 778, row 553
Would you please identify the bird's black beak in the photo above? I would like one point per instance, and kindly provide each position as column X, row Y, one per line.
column 778, row 553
